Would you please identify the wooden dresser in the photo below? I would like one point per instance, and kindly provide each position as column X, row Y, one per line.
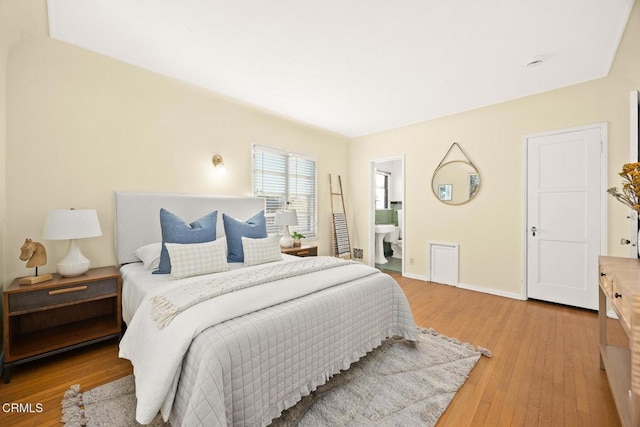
column 620, row 284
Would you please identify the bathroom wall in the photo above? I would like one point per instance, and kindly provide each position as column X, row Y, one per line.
column 396, row 192
column 384, row 216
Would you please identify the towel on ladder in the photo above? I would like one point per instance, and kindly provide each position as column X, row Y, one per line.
column 341, row 244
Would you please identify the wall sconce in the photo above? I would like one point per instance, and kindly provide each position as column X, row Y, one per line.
column 218, row 164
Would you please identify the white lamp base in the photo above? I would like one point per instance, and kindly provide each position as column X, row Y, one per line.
column 73, row 263
column 286, row 241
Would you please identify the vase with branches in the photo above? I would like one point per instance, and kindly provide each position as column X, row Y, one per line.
column 630, row 194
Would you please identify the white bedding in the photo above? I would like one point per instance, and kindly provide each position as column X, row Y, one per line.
column 157, row 354
column 138, row 282
column 248, row 369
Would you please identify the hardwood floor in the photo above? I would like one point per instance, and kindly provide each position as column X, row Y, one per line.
column 544, row 371
column 46, row 380
column 545, row 368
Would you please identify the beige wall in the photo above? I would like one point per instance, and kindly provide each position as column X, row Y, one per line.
column 75, row 125
column 18, row 21
column 4, row 48
column 81, row 125
column 489, row 228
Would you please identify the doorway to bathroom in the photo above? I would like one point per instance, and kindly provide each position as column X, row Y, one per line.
column 387, row 232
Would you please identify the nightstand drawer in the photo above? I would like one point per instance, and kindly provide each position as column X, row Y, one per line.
column 306, row 250
column 59, row 295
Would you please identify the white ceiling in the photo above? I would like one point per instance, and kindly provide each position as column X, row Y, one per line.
column 355, row 66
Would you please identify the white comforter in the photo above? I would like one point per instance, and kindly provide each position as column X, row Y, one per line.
column 157, row 354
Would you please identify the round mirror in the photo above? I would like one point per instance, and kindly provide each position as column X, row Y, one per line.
column 455, row 182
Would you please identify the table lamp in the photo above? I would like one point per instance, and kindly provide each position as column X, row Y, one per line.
column 286, row 218
column 72, row 224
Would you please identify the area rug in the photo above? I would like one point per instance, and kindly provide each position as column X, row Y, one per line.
column 399, row 383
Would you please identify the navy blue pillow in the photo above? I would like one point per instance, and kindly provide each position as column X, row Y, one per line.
column 175, row 230
column 255, row 227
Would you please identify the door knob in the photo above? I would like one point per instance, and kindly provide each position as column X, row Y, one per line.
column 624, row 241
column 533, row 231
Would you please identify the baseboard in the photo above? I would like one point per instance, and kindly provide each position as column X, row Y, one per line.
column 415, row 276
column 490, row 291
column 469, row 287
column 610, row 313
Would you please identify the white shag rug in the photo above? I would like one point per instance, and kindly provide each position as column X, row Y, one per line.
column 398, row 383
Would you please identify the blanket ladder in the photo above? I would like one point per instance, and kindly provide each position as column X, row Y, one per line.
column 339, row 230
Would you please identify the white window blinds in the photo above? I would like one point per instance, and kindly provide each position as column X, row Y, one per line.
column 286, row 180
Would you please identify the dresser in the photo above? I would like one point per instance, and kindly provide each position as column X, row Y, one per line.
column 620, row 285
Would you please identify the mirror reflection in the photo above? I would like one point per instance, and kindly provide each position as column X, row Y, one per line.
column 455, row 182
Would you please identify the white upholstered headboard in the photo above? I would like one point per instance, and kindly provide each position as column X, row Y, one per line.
column 138, row 216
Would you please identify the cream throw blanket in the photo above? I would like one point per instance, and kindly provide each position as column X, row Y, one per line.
column 167, row 306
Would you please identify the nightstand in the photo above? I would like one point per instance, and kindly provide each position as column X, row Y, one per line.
column 304, row 250
column 60, row 314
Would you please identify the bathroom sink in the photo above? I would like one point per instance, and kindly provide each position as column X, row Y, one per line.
column 385, row 228
column 381, row 231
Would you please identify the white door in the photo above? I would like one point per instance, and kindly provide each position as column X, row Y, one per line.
column 564, row 216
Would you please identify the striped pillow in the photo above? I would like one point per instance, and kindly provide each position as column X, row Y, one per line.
column 260, row 251
column 193, row 259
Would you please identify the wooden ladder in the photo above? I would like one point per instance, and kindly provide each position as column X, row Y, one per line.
column 339, row 229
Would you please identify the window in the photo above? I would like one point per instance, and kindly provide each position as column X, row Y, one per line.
column 286, row 180
column 382, row 189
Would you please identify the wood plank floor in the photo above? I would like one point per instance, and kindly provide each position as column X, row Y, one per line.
column 544, row 371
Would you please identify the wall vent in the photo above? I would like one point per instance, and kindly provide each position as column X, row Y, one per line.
column 443, row 262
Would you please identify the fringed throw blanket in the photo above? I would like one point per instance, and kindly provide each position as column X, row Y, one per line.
column 167, row 306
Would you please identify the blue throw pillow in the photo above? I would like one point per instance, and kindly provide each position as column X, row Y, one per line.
column 175, row 230
column 255, row 227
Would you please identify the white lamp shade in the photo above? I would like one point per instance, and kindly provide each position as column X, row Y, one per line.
column 66, row 224
column 287, row 217
column 72, row 224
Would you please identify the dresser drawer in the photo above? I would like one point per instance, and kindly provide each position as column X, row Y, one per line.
column 605, row 284
column 622, row 304
column 60, row 295
column 306, row 252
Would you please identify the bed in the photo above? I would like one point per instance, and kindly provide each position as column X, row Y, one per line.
column 243, row 357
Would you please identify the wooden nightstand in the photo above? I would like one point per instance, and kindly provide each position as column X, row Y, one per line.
column 59, row 315
column 304, row 250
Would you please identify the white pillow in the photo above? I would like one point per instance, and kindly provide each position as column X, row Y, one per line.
column 149, row 255
column 193, row 259
column 260, row 251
